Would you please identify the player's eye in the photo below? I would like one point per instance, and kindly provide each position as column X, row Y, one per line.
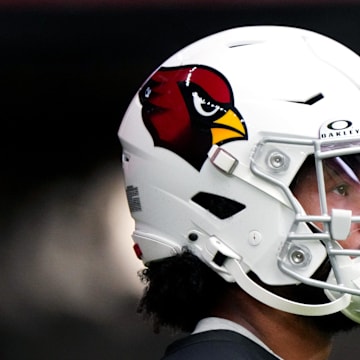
column 342, row 190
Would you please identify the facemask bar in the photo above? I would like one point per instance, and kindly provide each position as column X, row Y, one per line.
column 322, row 149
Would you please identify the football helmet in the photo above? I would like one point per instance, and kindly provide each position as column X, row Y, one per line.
column 220, row 145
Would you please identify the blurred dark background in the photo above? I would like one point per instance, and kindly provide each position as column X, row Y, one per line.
column 68, row 69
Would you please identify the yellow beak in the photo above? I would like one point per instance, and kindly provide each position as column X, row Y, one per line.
column 230, row 127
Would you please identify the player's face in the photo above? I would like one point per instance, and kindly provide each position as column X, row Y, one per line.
column 342, row 186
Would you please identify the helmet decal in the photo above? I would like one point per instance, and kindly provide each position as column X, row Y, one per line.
column 187, row 109
column 339, row 129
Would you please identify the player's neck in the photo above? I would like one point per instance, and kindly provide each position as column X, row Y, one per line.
column 289, row 336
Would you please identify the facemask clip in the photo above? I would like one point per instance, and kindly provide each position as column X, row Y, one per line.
column 340, row 224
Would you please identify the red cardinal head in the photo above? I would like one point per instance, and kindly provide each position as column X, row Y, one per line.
column 188, row 109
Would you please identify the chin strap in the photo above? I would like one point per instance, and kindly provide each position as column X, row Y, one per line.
column 234, row 267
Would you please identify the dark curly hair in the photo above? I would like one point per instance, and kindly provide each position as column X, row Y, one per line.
column 180, row 291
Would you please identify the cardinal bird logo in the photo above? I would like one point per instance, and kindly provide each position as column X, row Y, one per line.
column 187, row 109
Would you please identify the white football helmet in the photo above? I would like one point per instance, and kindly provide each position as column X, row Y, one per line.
column 212, row 144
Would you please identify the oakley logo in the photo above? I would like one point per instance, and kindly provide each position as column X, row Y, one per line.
column 339, row 125
column 338, row 129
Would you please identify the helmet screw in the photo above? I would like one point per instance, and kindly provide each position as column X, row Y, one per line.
column 193, row 237
column 254, row 238
column 297, row 256
column 277, row 160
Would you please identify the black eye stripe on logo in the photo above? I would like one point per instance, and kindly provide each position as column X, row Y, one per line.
column 339, row 125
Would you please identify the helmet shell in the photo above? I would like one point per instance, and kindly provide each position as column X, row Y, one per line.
column 282, row 83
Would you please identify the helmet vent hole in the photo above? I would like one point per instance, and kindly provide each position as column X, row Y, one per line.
column 311, row 101
column 193, row 236
column 219, row 206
